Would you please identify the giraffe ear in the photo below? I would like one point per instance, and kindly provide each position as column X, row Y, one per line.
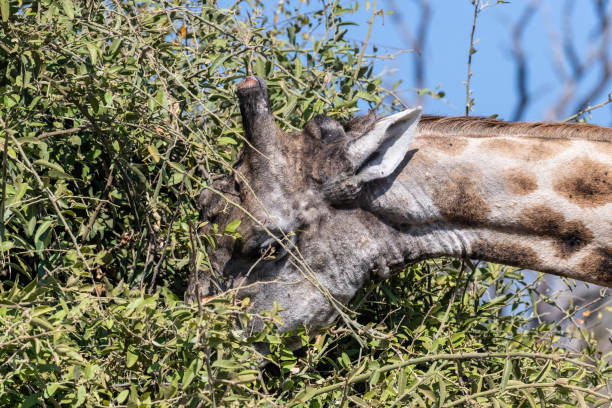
column 374, row 155
column 378, row 153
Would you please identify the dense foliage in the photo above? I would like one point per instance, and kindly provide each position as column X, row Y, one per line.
column 113, row 116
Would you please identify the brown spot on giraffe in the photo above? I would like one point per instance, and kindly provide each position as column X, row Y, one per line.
column 585, row 182
column 568, row 236
column 524, row 149
column 448, row 145
column 597, row 266
column 460, row 201
column 520, row 182
column 510, row 253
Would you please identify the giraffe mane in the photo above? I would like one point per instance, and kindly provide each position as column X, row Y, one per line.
column 479, row 127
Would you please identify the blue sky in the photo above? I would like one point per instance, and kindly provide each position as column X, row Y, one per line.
column 493, row 81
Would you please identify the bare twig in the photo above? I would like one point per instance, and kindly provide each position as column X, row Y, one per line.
column 101, row 203
column 560, row 383
column 365, row 44
column 589, row 109
column 6, row 131
column 60, row 132
column 4, row 179
column 469, row 102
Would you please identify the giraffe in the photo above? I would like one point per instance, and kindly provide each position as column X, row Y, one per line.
column 534, row 195
column 324, row 209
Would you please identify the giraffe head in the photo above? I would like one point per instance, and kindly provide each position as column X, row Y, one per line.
column 295, row 195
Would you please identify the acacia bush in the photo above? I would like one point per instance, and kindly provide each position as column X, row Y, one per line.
column 113, row 116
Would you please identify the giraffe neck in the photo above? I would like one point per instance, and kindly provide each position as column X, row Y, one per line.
column 529, row 195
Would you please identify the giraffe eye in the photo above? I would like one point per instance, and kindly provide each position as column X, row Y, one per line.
column 270, row 247
column 277, row 246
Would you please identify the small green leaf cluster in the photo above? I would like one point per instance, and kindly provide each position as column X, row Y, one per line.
column 434, row 335
column 63, row 346
column 115, row 115
column 449, row 333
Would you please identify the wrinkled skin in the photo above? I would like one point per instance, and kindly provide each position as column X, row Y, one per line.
column 300, row 191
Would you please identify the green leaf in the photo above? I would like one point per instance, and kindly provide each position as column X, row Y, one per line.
column 108, row 98
column 41, row 310
column 114, row 46
column 496, row 300
column 375, row 377
column 59, row 175
column 442, row 391
column 154, row 153
column 401, row 387
column 5, row 10
column 93, row 51
column 42, row 228
column 188, row 376
column 122, row 396
column 260, row 67
column 246, row 378
column 30, row 225
column 40, row 322
column 529, row 398
column 288, row 107
column 218, row 61
column 30, row 401
column 68, row 8
column 581, row 402
column 231, row 227
column 306, row 394
column 457, row 338
column 21, row 190
column 228, row 364
column 162, row 98
column 542, row 372
column 346, row 360
column 368, row 96
column 6, row 245
column 506, row 375
column 224, row 140
column 130, row 358
column 11, row 100
column 53, row 166
column 75, row 140
column 81, row 393
column 50, row 389
column 298, row 68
